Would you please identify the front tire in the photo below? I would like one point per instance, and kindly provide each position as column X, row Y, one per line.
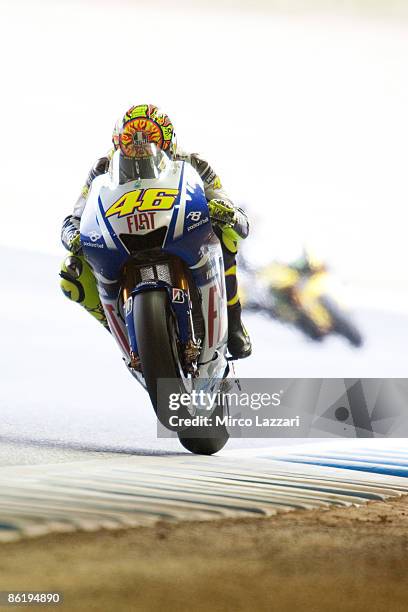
column 155, row 329
column 205, row 440
column 157, row 346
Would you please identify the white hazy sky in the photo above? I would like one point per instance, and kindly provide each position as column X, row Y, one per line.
column 304, row 117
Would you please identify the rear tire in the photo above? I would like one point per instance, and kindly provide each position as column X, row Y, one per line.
column 309, row 328
column 344, row 328
column 342, row 324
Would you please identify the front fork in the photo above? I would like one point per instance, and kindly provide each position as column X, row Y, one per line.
column 181, row 305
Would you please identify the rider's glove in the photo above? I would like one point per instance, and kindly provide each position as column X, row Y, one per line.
column 222, row 212
column 75, row 244
column 70, row 234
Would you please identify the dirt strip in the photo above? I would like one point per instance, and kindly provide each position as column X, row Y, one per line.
column 337, row 559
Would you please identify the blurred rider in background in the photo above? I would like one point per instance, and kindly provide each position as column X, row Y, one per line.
column 230, row 223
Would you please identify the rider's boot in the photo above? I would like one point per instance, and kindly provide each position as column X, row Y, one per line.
column 239, row 343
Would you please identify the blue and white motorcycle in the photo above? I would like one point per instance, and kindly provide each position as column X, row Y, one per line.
column 147, row 235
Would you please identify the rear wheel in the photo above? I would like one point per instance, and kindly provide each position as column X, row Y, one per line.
column 309, row 327
column 348, row 330
column 342, row 325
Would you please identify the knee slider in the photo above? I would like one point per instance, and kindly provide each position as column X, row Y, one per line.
column 70, row 274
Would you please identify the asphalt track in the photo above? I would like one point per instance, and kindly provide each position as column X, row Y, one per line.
column 78, row 445
column 141, row 491
column 66, row 396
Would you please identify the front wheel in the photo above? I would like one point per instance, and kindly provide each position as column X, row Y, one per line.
column 205, row 440
column 157, row 348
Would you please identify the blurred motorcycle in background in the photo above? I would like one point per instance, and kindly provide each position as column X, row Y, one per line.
column 300, row 294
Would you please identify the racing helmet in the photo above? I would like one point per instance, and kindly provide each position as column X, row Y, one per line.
column 312, row 261
column 141, row 127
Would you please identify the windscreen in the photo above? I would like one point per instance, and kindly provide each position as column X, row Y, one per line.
column 151, row 163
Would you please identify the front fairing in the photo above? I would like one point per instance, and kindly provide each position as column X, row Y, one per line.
column 174, row 201
column 115, row 214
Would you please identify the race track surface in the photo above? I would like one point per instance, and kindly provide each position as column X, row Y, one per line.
column 142, row 491
column 65, row 394
column 78, row 445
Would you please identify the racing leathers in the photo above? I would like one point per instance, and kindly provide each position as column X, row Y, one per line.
column 230, row 224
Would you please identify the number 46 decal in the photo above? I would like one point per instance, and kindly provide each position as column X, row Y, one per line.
column 142, row 200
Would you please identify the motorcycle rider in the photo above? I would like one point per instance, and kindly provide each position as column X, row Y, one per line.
column 230, row 223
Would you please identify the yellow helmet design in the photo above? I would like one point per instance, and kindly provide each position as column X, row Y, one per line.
column 141, row 125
